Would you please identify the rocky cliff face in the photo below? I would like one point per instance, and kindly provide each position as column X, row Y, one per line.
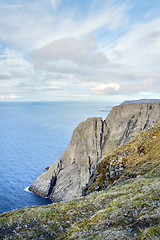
column 135, row 158
column 91, row 141
column 129, row 210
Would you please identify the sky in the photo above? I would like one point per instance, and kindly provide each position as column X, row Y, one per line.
column 86, row 50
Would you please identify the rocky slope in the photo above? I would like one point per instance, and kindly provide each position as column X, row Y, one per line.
column 129, row 210
column 91, row 141
column 133, row 159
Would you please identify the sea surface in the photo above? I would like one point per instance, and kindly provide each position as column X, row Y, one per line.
column 32, row 137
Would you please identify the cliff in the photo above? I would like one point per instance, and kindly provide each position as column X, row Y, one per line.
column 134, row 159
column 140, row 101
column 129, row 210
column 90, row 142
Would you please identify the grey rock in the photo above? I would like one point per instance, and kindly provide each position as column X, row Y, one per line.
column 44, row 183
column 96, row 188
column 112, row 174
column 121, row 169
column 121, row 165
column 90, row 142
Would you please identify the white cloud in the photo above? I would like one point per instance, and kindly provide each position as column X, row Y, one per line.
column 69, row 55
column 110, row 88
column 139, row 47
column 10, row 97
column 16, row 74
column 66, row 49
column 13, row 97
column 81, row 61
column 32, row 24
column 13, row 64
column 147, row 85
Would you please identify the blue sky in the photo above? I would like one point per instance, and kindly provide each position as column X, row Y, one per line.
column 88, row 50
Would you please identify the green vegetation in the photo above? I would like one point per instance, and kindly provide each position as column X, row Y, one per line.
column 127, row 209
column 139, row 156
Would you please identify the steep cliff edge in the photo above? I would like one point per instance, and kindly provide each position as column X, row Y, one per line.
column 129, row 210
column 90, row 142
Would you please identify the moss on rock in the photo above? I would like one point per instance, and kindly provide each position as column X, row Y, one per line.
column 137, row 157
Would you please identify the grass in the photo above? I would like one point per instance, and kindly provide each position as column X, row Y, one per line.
column 139, row 156
column 124, row 210
column 129, row 209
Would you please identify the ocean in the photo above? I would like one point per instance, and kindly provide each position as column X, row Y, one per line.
column 32, row 136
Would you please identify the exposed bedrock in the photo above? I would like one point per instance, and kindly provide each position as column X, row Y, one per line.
column 90, row 142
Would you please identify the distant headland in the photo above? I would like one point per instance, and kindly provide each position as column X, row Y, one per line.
column 140, row 101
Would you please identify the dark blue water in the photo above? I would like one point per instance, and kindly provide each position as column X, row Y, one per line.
column 32, row 137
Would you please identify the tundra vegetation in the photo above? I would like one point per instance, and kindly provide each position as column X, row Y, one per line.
column 123, row 200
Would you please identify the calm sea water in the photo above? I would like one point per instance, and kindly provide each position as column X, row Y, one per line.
column 32, row 137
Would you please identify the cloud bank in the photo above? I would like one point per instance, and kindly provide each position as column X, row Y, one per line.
column 53, row 50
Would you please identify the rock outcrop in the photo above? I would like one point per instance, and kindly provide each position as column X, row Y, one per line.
column 133, row 159
column 45, row 183
column 129, row 209
column 90, row 142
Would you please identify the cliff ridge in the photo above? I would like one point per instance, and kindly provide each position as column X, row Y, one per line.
column 90, row 142
column 129, row 209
